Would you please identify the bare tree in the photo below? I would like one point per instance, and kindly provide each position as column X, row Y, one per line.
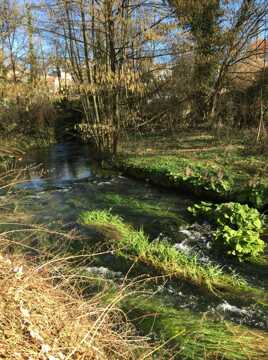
column 222, row 36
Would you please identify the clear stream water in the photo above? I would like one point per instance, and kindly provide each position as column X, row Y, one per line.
column 63, row 180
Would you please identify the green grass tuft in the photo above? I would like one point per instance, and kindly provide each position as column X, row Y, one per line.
column 163, row 257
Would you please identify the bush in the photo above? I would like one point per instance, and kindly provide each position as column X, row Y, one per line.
column 238, row 228
column 27, row 110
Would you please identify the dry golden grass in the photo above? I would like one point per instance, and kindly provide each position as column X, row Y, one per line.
column 39, row 320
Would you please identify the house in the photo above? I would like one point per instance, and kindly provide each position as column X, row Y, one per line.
column 261, row 48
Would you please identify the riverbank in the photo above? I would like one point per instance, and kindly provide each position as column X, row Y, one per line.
column 44, row 319
column 171, row 297
column 13, row 149
column 44, row 315
column 200, row 165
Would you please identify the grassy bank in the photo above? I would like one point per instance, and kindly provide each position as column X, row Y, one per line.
column 43, row 315
column 200, row 164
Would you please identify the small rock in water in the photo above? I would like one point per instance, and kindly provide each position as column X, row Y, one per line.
column 226, row 307
column 105, row 272
column 204, row 259
column 170, row 290
column 182, row 247
column 186, row 232
column 64, row 190
column 160, row 288
column 104, row 183
column 36, row 196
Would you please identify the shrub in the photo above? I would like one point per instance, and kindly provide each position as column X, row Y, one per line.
column 27, row 110
column 238, row 228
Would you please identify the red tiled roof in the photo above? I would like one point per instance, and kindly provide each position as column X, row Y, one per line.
column 261, row 45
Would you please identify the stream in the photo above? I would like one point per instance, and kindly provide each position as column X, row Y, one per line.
column 63, row 180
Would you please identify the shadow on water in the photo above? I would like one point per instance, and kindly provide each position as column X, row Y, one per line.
column 56, row 165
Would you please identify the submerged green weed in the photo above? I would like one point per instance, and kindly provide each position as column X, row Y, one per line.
column 139, row 205
column 193, row 336
column 164, row 257
column 189, row 335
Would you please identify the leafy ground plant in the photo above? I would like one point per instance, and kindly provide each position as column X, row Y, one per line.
column 238, row 228
column 200, row 164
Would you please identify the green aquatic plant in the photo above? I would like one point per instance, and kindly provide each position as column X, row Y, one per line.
column 255, row 194
column 165, row 259
column 202, row 210
column 148, row 207
column 194, row 337
column 238, row 228
column 190, row 334
column 238, row 216
column 159, row 254
column 242, row 244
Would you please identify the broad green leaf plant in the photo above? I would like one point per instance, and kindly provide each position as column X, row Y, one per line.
column 237, row 228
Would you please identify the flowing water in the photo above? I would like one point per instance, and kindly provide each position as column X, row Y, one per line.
column 63, row 180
